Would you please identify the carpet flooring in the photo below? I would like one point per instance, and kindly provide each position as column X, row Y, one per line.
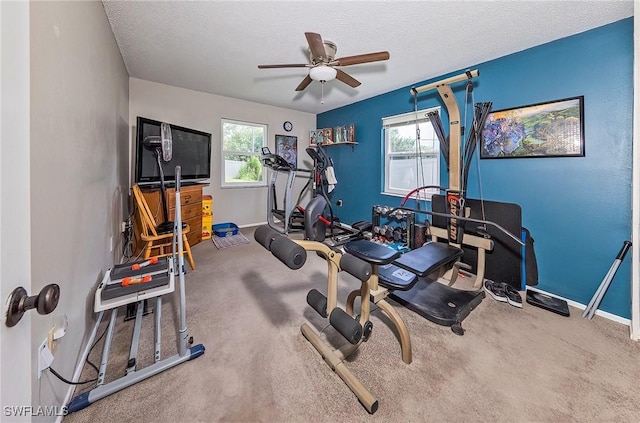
column 511, row 365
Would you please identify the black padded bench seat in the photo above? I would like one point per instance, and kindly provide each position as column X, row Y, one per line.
column 401, row 271
column 389, row 275
column 428, row 258
column 371, row 252
column 393, row 277
column 431, row 299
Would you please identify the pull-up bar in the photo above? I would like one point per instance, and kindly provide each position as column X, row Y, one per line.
column 463, row 76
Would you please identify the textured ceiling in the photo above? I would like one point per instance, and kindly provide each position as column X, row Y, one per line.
column 216, row 46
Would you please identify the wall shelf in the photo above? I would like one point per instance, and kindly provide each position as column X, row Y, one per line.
column 341, row 143
column 331, row 144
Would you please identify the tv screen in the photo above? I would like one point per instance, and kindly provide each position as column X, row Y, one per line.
column 191, row 150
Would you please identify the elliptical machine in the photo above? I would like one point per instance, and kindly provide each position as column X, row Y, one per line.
column 323, row 182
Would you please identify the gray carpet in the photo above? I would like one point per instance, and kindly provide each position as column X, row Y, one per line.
column 512, row 365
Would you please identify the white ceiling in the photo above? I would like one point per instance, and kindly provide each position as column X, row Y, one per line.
column 216, row 46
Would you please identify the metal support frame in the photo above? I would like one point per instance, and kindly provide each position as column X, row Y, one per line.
column 134, row 375
column 292, row 174
column 455, row 196
column 368, row 289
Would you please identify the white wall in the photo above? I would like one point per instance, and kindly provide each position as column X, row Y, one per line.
column 202, row 111
column 79, row 162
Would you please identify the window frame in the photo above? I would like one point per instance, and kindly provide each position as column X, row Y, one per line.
column 407, row 119
column 223, row 182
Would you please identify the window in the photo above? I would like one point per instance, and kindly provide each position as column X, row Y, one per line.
column 409, row 164
column 242, row 144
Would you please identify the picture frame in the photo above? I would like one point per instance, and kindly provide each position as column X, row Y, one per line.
column 287, row 148
column 549, row 129
column 328, row 136
column 344, row 133
column 315, row 137
column 339, row 132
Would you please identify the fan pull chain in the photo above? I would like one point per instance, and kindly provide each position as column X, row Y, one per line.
column 322, row 90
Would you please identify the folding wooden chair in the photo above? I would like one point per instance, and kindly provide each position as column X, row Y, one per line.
column 149, row 233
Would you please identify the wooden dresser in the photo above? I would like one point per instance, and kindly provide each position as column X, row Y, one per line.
column 191, row 200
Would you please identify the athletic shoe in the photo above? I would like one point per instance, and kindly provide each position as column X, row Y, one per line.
column 513, row 296
column 496, row 290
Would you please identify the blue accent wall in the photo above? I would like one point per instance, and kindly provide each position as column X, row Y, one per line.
column 578, row 209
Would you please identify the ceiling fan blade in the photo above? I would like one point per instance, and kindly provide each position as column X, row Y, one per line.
column 293, row 65
column 316, row 46
column 304, row 84
column 361, row 58
column 347, row 79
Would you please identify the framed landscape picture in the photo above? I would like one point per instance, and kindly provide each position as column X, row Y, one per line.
column 551, row 129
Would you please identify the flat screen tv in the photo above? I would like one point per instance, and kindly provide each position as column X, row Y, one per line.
column 191, row 150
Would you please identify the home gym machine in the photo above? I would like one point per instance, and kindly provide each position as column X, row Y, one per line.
column 289, row 216
column 134, row 283
column 365, row 260
column 434, row 296
column 355, row 330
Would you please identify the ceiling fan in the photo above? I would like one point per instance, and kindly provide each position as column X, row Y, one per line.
column 323, row 66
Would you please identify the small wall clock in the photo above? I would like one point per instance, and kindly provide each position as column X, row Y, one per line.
column 288, row 126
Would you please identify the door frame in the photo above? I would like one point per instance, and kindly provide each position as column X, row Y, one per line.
column 16, row 353
column 635, row 202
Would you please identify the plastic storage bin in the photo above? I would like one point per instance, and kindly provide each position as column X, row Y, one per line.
column 225, row 229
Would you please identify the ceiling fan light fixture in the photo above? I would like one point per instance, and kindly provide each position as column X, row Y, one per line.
column 322, row 73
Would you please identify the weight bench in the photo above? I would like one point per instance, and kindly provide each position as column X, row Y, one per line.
column 355, row 330
column 381, row 271
column 412, row 279
column 433, row 296
column 394, row 272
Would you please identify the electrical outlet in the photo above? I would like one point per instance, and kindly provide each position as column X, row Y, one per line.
column 45, row 358
column 111, row 243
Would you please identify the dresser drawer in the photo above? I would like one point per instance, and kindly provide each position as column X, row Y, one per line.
column 188, row 211
column 194, row 237
column 195, row 229
column 188, row 195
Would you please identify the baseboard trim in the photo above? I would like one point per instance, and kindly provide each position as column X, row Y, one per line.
column 581, row 306
column 251, row 225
